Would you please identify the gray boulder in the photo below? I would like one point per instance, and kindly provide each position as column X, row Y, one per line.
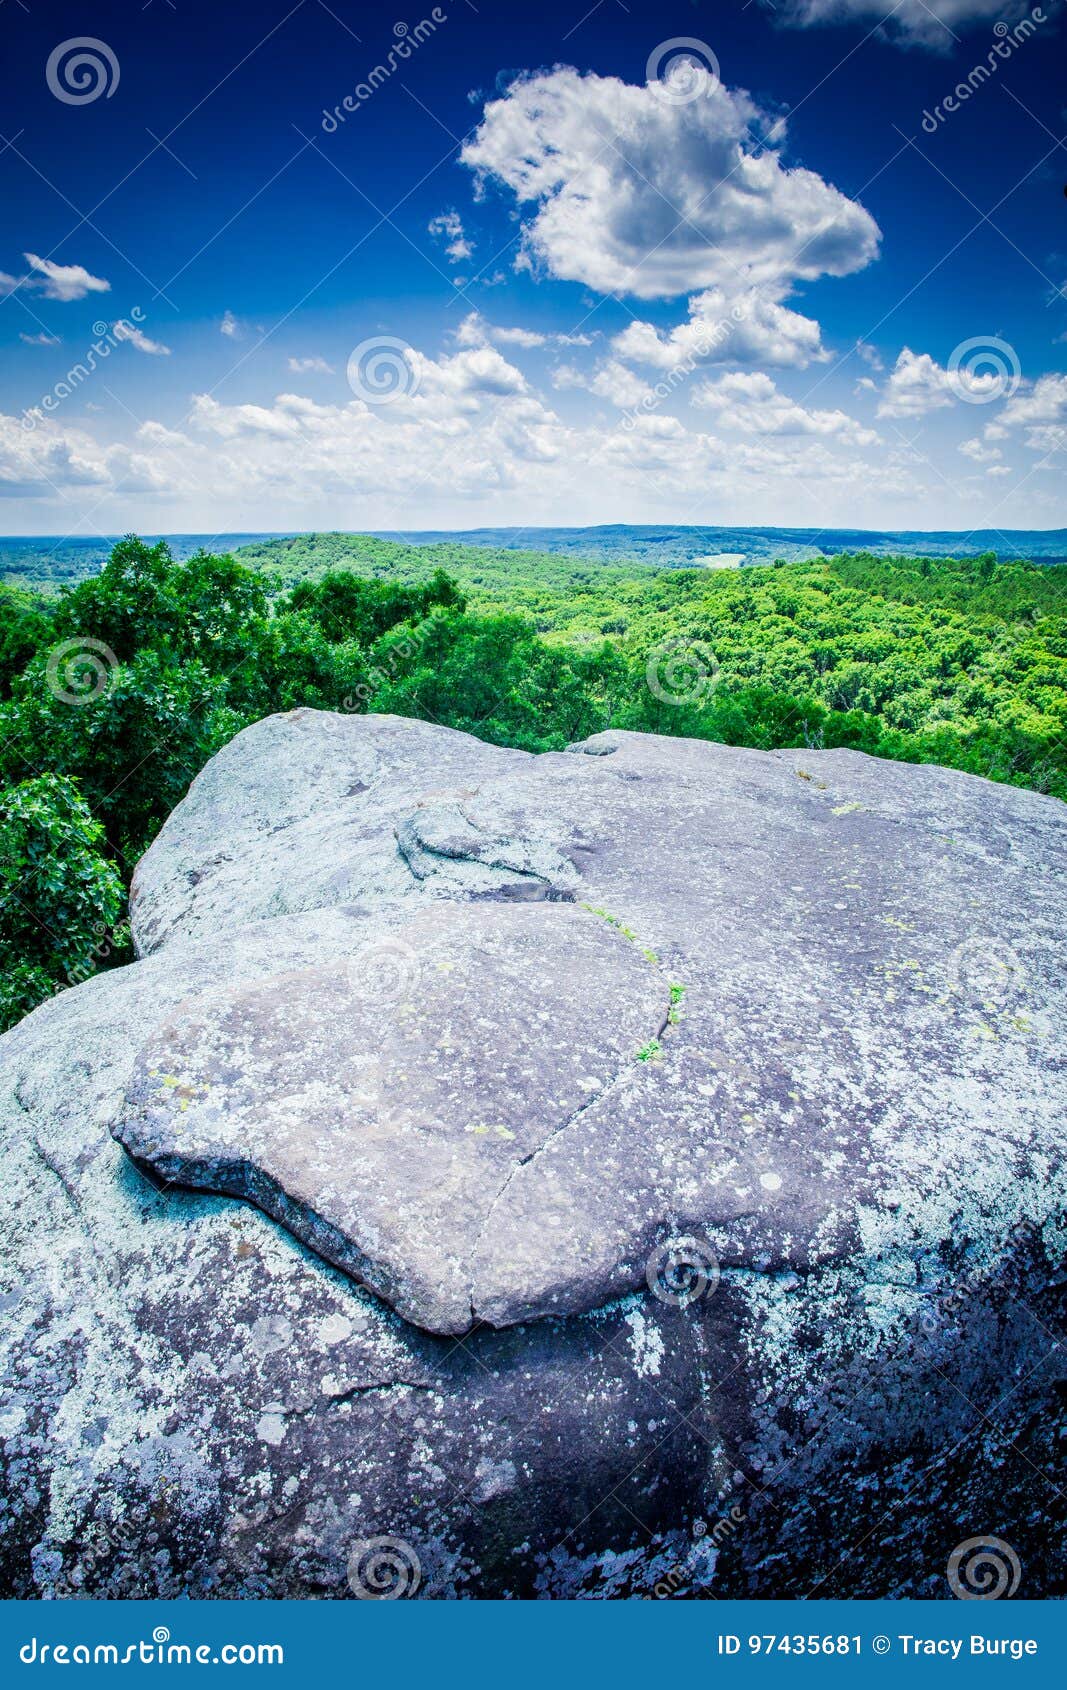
column 636, row 1170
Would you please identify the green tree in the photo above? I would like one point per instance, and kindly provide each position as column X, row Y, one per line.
column 61, row 901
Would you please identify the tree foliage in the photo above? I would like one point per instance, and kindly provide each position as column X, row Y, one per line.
column 960, row 662
column 60, row 898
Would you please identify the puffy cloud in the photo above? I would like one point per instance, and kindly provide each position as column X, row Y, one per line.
column 750, row 327
column 636, row 194
column 1044, row 402
column 63, row 281
column 42, row 339
column 980, row 453
column 1042, row 411
column 612, row 381
column 751, row 402
column 46, row 459
column 475, row 331
column 317, row 366
column 449, row 227
column 927, row 23
column 230, row 327
column 464, row 378
column 473, row 441
column 916, row 385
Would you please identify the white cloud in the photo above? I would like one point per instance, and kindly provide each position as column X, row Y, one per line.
column 466, row 377
column 318, row 366
column 42, row 339
column 474, row 442
column 449, row 227
column 1042, row 411
column 750, row 401
column 475, row 331
column 615, row 382
column 918, row 384
column 525, row 338
column 927, row 23
column 750, row 327
column 136, row 337
column 230, row 327
column 1045, row 402
column 869, row 354
column 637, row 195
column 979, row 453
column 63, row 281
column 45, row 459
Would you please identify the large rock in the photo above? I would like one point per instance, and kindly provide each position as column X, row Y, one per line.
column 653, row 1165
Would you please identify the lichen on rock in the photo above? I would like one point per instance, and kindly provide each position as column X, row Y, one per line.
column 433, row 1041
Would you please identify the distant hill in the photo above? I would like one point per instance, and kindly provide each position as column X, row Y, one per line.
column 50, row 561
column 688, row 547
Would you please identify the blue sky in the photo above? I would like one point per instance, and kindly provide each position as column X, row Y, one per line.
column 564, row 263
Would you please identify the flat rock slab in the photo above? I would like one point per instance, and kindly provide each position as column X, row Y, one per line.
column 382, row 1121
column 745, row 1279
column 489, row 1107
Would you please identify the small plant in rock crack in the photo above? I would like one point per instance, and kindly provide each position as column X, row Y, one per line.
column 674, row 1014
column 614, row 921
column 650, row 1052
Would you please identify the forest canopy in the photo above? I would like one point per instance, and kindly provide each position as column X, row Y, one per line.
column 115, row 691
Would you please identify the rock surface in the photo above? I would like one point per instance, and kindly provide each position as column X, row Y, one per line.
column 656, row 1173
